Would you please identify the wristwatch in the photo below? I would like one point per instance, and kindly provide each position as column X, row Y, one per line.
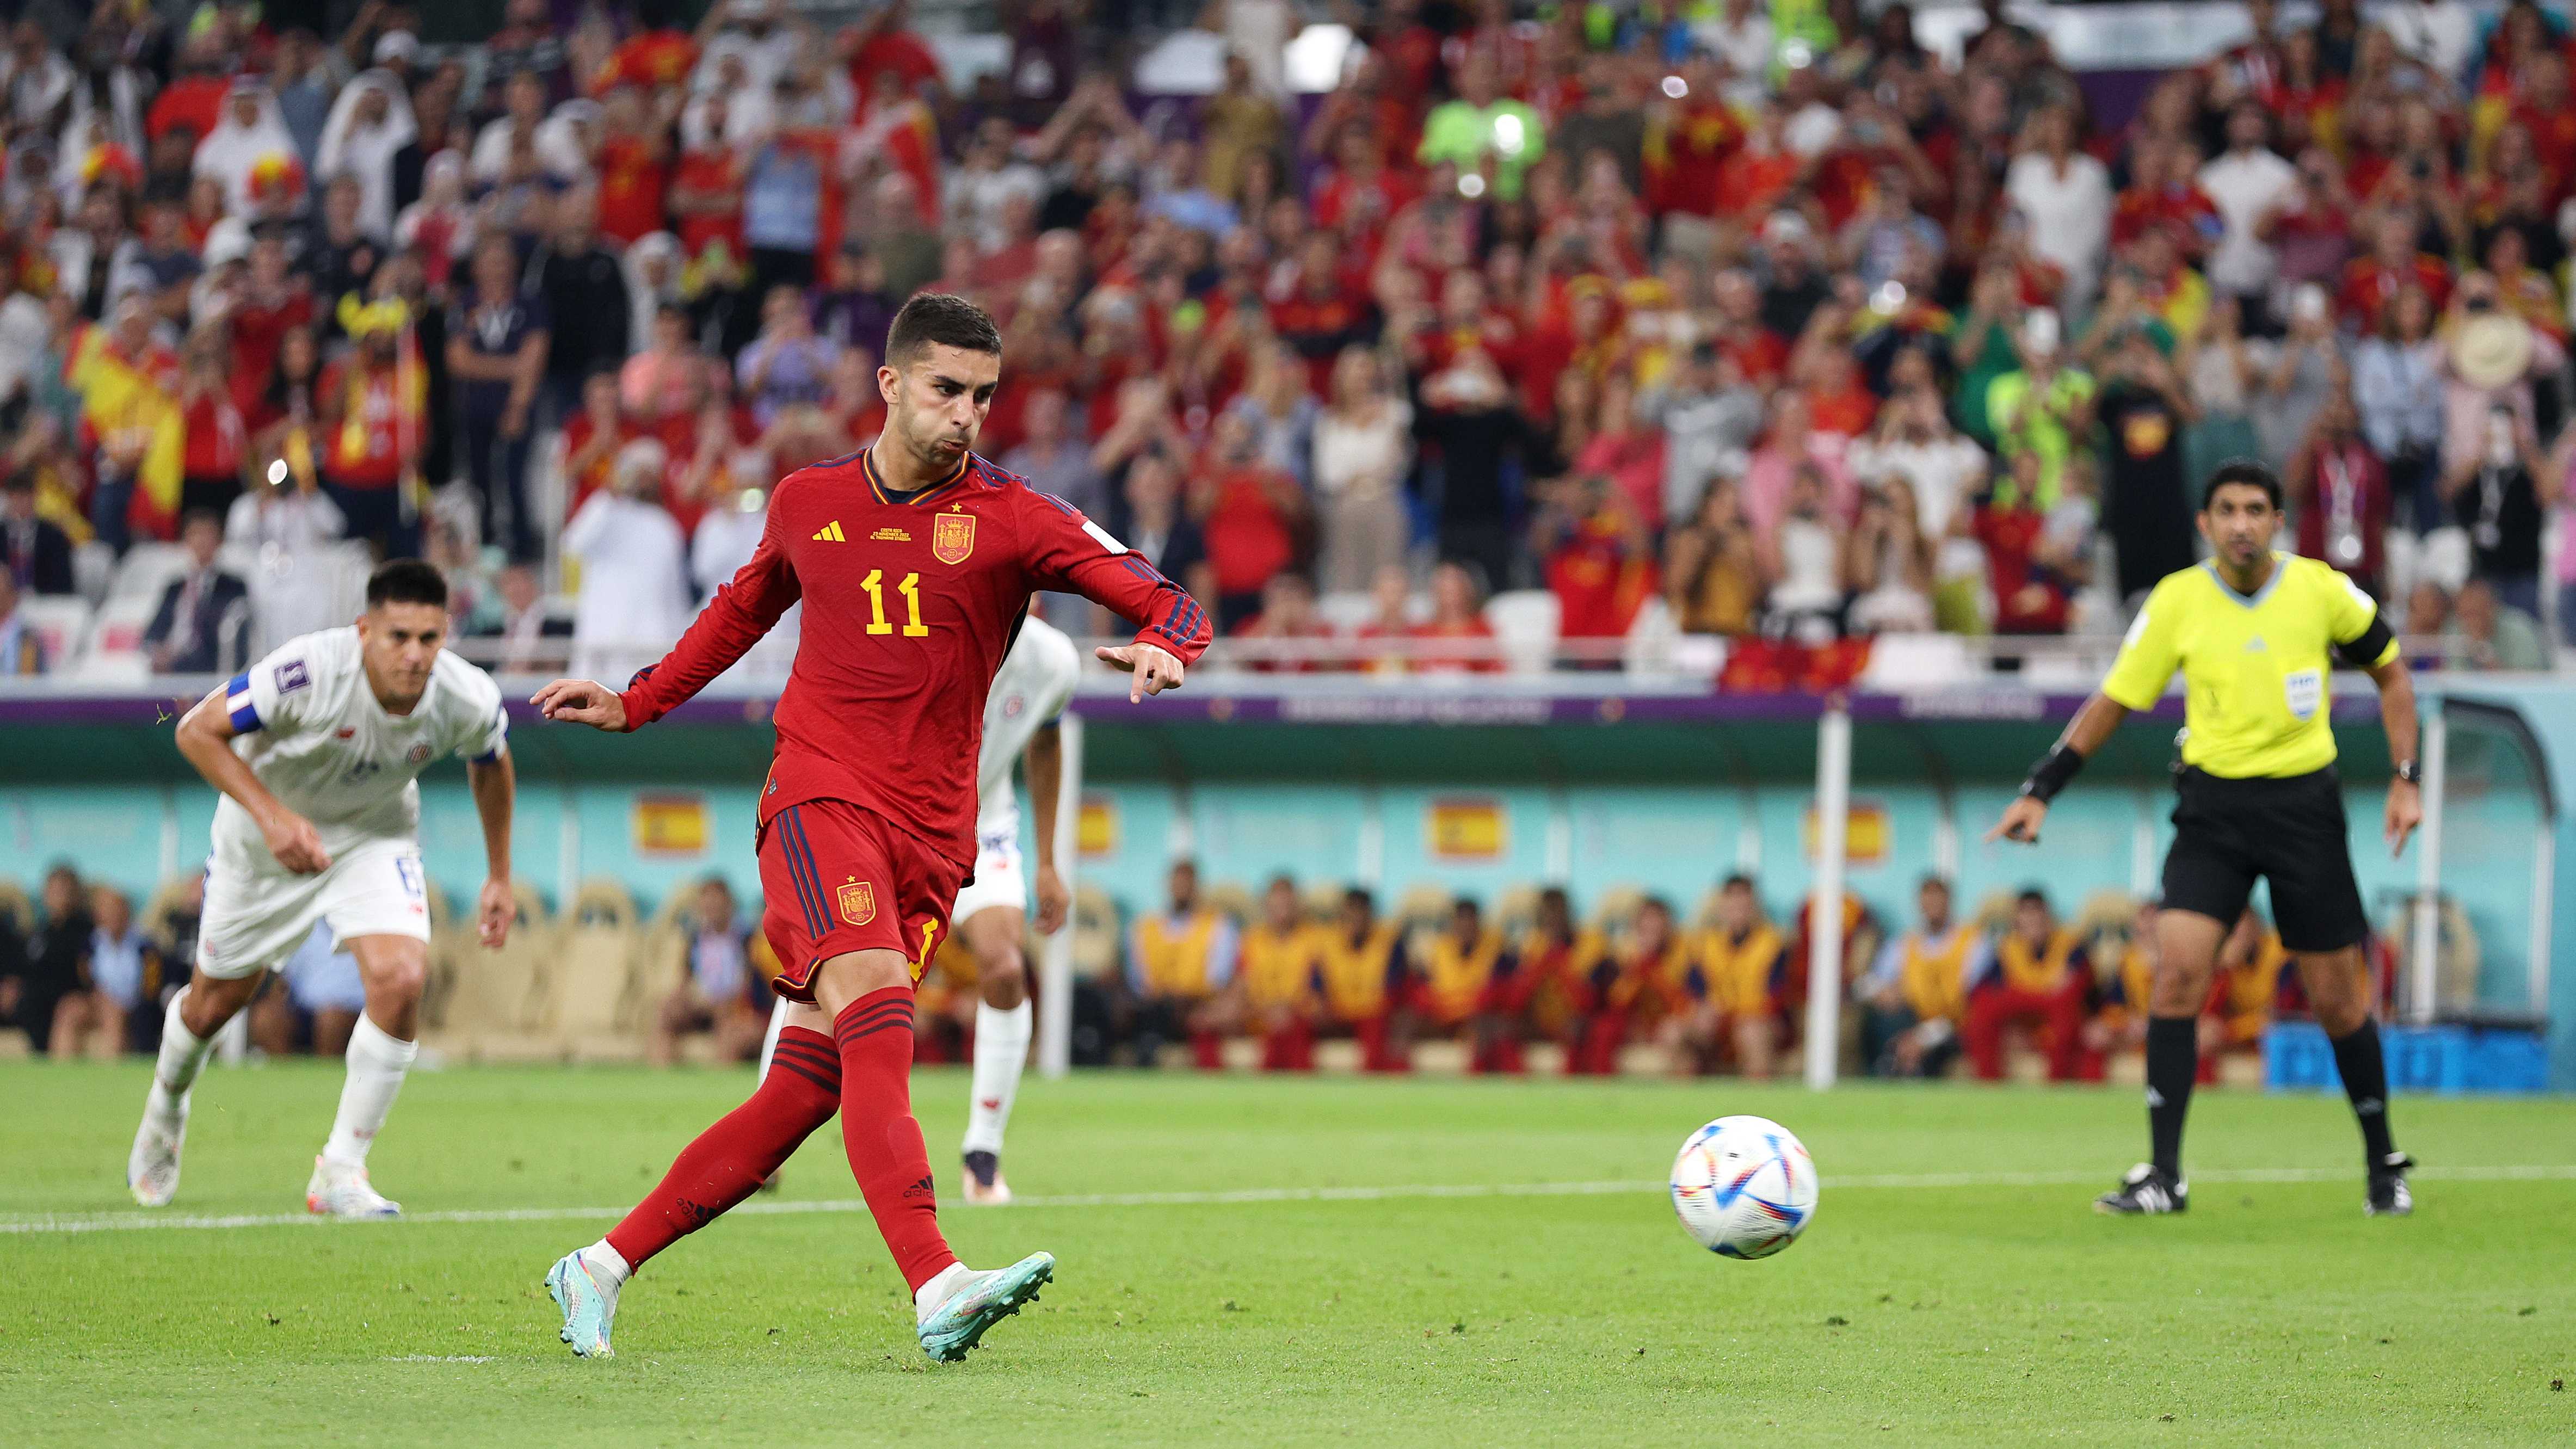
column 2410, row 772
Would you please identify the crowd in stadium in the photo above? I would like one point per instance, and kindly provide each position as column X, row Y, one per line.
column 1783, row 328
column 1712, row 986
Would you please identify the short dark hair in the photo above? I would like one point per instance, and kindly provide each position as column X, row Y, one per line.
column 2033, row 896
column 406, row 581
column 195, row 516
column 1736, row 880
column 2245, row 471
column 938, row 319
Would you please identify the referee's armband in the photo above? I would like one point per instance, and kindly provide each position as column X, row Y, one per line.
column 2052, row 773
column 2364, row 652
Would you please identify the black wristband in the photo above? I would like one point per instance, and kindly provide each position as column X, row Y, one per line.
column 2052, row 773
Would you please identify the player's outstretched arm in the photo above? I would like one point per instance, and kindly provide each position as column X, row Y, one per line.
column 2397, row 714
column 205, row 737
column 1155, row 668
column 495, row 786
column 582, row 701
column 2087, row 732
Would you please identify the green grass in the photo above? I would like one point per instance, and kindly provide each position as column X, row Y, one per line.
column 2274, row 1313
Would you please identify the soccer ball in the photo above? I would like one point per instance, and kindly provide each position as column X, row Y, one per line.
column 1744, row 1187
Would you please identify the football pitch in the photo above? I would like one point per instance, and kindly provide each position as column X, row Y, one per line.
column 1294, row 1262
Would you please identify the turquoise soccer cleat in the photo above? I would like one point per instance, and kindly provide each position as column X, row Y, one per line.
column 959, row 1324
column 589, row 1306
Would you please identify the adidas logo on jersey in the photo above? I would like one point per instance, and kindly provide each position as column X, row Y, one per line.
column 831, row 533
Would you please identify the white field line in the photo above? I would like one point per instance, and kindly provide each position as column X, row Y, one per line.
column 115, row 1222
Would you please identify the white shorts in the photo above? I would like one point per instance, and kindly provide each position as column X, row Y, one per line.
column 998, row 882
column 258, row 912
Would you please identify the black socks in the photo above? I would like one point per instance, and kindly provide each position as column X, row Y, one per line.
column 2365, row 1081
column 2173, row 1062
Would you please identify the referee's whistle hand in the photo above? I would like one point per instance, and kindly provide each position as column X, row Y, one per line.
column 2021, row 822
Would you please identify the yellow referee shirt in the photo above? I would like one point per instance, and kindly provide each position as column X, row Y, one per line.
column 2254, row 669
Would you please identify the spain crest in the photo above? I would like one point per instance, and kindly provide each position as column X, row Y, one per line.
column 952, row 537
column 858, row 902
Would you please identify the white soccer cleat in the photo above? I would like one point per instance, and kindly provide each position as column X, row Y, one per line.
column 152, row 1168
column 984, row 1186
column 344, row 1192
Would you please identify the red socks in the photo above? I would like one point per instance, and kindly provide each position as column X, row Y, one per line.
column 731, row 1159
column 887, row 1155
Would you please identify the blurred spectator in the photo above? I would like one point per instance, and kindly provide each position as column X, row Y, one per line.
column 285, row 522
column 203, row 623
column 2306, row 369
column 1287, row 613
column 1361, row 960
column 1917, row 991
column 634, row 595
column 584, row 291
column 2397, row 389
column 2249, row 183
column 1712, row 572
column 22, row 649
column 720, row 992
column 211, row 468
column 1889, row 563
column 1276, row 982
column 1158, row 529
column 2043, row 409
column 39, row 552
column 1461, row 639
column 498, row 342
column 2145, row 411
column 789, row 364
column 1710, row 417
column 373, row 410
column 2499, row 496
column 2064, row 196
column 124, row 974
column 2039, row 976
column 1492, row 139
column 1452, row 976
column 1362, row 449
column 52, row 964
column 2488, row 633
column 1943, row 471
column 525, row 624
column 1597, row 557
column 316, row 1003
column 1805, row 559
column 2339, row 493
column 2033, row 576
column 1178, row 961
column 1743, row 969
column 1251, row 514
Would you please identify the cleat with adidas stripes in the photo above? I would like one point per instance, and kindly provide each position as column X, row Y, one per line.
column 2146, row 1189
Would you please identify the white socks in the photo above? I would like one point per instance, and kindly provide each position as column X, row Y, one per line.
column 606, row 1262
column 1001, row 1052
column 183, row 1055
column 377, row 1061
column 927, row 1298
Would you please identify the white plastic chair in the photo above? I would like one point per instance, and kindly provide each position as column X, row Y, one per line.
column 1525, row 623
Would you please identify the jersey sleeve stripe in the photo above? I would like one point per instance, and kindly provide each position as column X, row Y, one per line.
column 237, row 703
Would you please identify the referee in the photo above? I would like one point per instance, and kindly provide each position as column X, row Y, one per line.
column 2259, row 796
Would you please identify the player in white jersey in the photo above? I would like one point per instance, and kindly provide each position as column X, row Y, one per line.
column 315, row 749
column 1029, row 694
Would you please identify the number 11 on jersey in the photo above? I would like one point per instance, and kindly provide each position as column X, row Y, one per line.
column 910, row 588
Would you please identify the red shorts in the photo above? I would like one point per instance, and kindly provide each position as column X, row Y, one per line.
column 838, row 878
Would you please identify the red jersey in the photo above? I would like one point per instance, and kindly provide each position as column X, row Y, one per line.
column 650, row 60
column 909, row 607
column 2368, row 286
column 630, row 188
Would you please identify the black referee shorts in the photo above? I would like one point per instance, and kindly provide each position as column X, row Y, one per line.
column 2288, row 831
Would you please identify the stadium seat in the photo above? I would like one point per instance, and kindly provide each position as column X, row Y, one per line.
column 1096, row 947
column 17, row 906
column 1614, row 908
column 591, row 990
column 1917, row 661
column 93, row 569
column 146, row 570
column 61, row 623
column 1524, row 622
column 1516, row 909
column 1321, row 899
column 496, row 1006
column 1233, row 898
column 1423, row 904
column 115, row 647
column 1346, row 611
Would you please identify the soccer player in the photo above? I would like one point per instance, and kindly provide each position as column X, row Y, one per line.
column 1917, row 992
column 315, row 749
column 1744, row 964
column 2260, row 796
column 1361, row 965
column 1180, row 964
column 915, row 560
column 2042, row 977
column 1021, row 714
column 1276, row 979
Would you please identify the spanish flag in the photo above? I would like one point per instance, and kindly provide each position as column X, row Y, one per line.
column 130, row 415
